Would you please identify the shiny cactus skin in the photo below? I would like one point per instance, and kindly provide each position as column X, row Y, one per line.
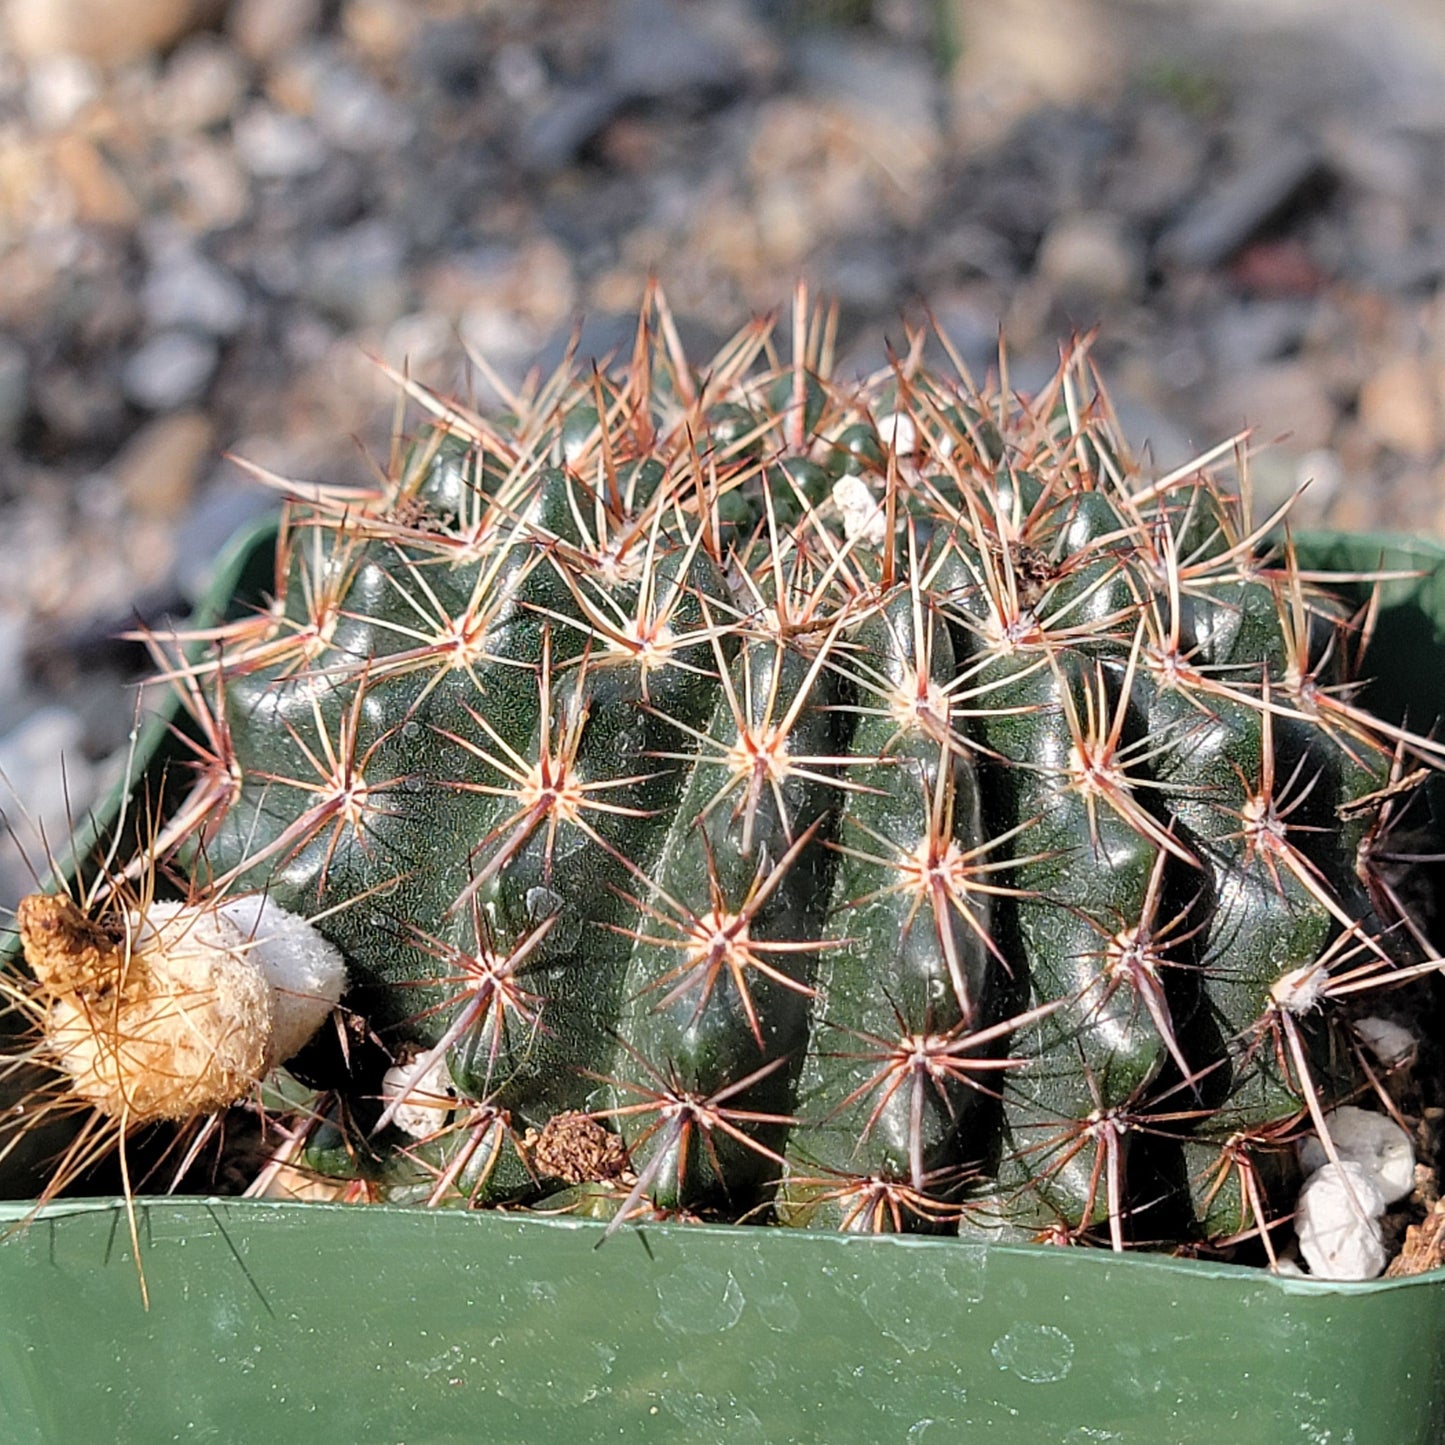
column 878, row 804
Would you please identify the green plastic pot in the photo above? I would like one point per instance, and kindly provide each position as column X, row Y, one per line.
column 327, row 1323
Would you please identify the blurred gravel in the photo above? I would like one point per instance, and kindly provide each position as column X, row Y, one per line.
column 212, row 215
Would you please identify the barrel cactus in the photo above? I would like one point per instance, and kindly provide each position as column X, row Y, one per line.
column 749, row 793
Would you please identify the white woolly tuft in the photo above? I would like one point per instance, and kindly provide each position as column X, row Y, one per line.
column 1300, row 990
column 305, row 971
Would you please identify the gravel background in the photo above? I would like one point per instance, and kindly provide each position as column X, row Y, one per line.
column 213, row 214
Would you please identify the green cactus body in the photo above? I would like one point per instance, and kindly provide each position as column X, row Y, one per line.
column 668, row 802
column 717, row 983
column 903, row 980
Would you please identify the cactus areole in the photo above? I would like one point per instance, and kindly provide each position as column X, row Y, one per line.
column 748, row 793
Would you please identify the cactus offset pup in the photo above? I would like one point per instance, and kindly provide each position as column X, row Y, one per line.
column 746, row 793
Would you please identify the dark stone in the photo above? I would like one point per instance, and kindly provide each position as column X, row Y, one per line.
column 1248, row 201
column 659, row 55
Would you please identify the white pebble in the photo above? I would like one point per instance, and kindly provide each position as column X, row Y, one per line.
column 1338, row 1223
column 897, row 431
column 274, row 146
column 185, row 289
column 1391, row 1043
column 862, row 515
column 1373, row 1141
column 60, row 87
column 170, row 370
column 418, row 1103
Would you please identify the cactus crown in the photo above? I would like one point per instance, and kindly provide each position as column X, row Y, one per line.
column 743, row 792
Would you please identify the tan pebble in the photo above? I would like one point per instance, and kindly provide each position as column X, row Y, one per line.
column 1400, row 406
column 1284, row 401
column 101, row 197
column 1090, row 253
column 150, row 549
column 291, row 85
column 381, row 30
column 264, row 30
column 1355, row 508
column 619, row 289
column 1023, row 54
column 108, row 32
column 158, row 467
column 203, row 81
column 213, row 190
column 27, row 190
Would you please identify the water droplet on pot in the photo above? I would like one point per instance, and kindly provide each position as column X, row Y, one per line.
column 1038, row 1354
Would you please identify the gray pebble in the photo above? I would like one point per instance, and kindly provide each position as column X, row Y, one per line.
column 1147, row 431
column 185, row 289
column 172, row 369
column 274, row 146
column 357, row 275
column 865, row 273
column 13, row 638
column 519, row 73
column 356, row 115
column 449, row 61
column 277, row 268
column 879, row 76
column 1244, row 335
column 14, row 388
column 81, row 407
column 46, row 783
column 662, row 49
column 554, row 137
column 1379, row 161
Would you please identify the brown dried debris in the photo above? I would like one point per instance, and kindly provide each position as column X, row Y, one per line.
column 576, row 1149
column 67, row 952
column 1424, row 1247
